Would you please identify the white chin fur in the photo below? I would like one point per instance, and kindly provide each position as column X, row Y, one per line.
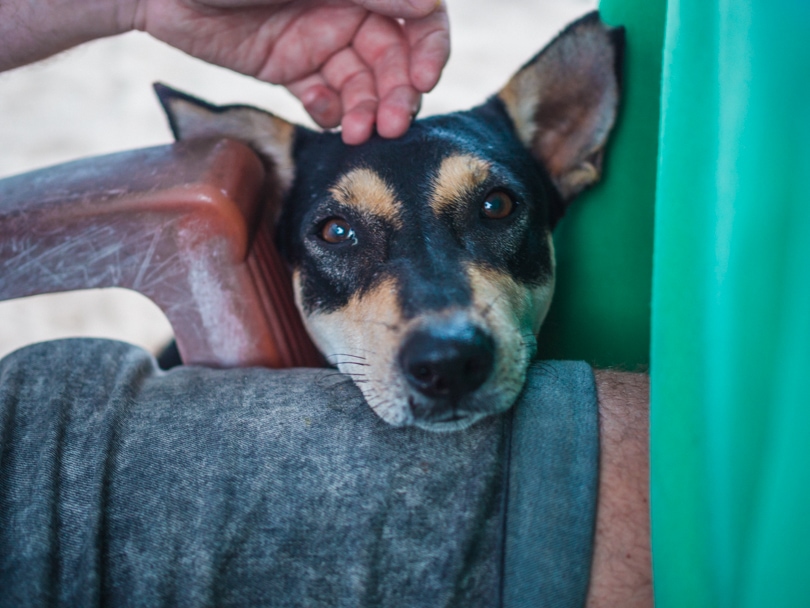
column 450, row 425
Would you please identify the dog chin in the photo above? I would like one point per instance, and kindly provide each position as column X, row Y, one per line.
column 460, row 422
column 456, row 419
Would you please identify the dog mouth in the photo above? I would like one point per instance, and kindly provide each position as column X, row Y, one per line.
column 438, row 417
column 437, row 413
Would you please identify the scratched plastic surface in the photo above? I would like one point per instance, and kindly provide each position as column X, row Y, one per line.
column 180, row 224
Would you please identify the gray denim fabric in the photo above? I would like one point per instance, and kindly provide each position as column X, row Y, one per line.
column 121, row 485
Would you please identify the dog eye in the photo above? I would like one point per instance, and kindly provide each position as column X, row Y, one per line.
column 336, row 230
column 497, row 205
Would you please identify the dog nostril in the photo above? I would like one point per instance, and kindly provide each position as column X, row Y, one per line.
column 472, row 366
column 448, row 362
column 423, row 372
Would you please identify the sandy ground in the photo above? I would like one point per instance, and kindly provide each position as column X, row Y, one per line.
column 97, row 99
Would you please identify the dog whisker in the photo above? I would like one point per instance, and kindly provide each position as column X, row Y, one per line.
column 371, row 390
column 361, row 350
column 375, row 400
column 345, row 355
column 379, row 398
column 327, row 382
column 488, row 308
column 382, row 406
column 549, row 369
column 342, row 375
column 365, row 321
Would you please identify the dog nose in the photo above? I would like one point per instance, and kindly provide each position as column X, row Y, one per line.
column 448, row 362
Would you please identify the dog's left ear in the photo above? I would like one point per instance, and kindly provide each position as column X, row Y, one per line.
column 270, row 137
column 563, row 103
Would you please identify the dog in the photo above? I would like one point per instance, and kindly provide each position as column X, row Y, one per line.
column 424, row 266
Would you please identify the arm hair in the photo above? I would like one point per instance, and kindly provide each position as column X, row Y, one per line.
column 621, row 572
column 31, row 30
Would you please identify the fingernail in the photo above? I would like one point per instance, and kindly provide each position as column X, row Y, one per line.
column 316, row 103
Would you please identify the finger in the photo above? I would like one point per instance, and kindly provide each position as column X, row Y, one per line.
column 358, row 123
column 381, row 44
column 400, row 9
column 347, row 73
column 429, row 41
column 396, row 111
column 237, row 3
column 319, row 100
column 360, row 108
column 308, row 39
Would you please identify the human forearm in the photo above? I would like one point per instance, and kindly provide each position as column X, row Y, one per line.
column 354, row 63
column 35, row 29
column 621, row 574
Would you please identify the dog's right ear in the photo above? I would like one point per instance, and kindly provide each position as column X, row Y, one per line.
column 270, row 136
column 563, row 103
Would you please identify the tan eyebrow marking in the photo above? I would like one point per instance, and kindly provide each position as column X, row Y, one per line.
column 366, row 191
column 458, row 176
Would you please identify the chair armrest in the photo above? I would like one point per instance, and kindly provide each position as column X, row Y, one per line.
column 181, row 224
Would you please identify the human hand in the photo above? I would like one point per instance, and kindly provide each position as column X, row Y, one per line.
column 350, row 62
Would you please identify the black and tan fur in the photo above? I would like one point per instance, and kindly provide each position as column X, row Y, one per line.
column 428, row 298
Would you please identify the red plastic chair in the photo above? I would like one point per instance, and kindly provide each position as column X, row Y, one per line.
column 180, row 224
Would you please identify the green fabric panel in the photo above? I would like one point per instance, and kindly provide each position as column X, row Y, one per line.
column 764, row 346
column 683, row 244
column 731, row 307
column 601, row 309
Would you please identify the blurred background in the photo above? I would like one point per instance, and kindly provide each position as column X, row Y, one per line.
column 97, row 99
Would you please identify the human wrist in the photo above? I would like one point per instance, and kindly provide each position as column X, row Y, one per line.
column 31, row 31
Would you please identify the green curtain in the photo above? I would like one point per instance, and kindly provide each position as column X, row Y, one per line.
column 730, row 422
column 601, row 308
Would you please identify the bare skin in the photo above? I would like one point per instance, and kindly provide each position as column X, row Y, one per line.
column 621, row 572
column 354, row 63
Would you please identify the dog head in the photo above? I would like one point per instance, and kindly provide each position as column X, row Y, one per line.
column 424, row 266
